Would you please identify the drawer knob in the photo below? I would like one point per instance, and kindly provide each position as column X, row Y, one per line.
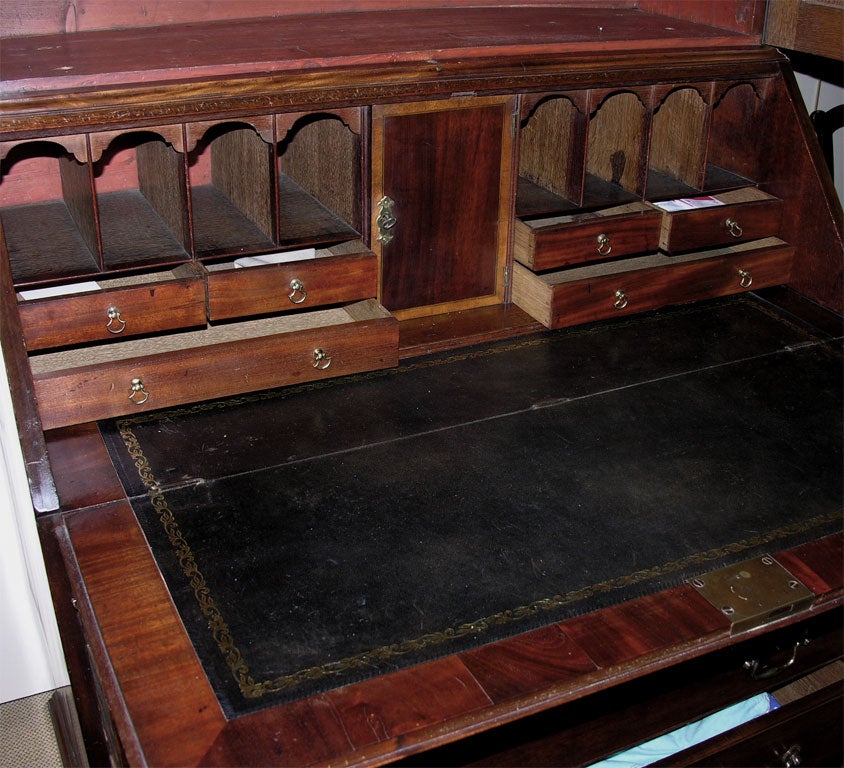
column 137, row 392
column 321, row 359
column 733, row 228
column 297, row 291
column 115, row 324
column 745, row 280
column 620, row 299
column 604, row 246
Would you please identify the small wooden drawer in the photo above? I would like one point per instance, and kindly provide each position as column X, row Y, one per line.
column 585, row 294
column 338, row 275
column 559, row 241
column 746, row 214
column 145, row 374
column 124, row 307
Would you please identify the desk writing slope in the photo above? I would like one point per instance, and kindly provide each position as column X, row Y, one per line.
column 474, row 296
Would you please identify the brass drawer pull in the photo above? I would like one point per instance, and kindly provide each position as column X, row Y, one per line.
column 138, row 390
column 321, row 359
column 733, row 228
column 760, row 671
column 745, row 280
column 604, row 247
column 791, row 758
column 115, row 324
column 386, row 219
column 620, row 299
column 297, row 287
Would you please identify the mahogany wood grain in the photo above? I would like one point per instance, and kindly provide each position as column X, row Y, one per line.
column 449, row 239
column 32, row 444
column 76, row 394
column 811, row 27
column 84, row 474
column 544, row 244
column 812, row 218
column 818, row 569
column 746, row 16
column 150, row 675
column 338, row 39
column 559, row 299
column 260, row 290
column 436, row 333
column 155, row 688
column 76, row 319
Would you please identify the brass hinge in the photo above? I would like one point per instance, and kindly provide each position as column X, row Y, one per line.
column 506, row 276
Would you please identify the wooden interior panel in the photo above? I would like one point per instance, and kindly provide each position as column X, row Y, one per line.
column 678, row 136
column 617, row 140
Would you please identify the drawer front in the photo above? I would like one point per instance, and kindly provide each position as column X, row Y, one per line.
column 721, row 225
column 292, row 286
column 601, row 237
column 113, row 314
column 584, row 301
column 201, row 373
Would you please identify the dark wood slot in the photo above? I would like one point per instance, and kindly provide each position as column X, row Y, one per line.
column 618, row 133
column 552, row 147
column 720, row 180
column 141, row 199
column 231, row 173
column 305, row 220
column 598, row 192
column 319, row 181
column 533, row 200
column 663, row 186
column 738, row 122
column 47, row 209
column 678, row 145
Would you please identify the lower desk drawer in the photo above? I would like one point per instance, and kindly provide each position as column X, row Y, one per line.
column 586, row 294
column 124, row 307
column 146, row 374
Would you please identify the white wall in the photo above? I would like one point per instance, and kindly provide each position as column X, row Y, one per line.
column 31, row 659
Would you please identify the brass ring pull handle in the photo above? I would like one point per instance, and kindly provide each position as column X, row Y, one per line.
column 604, row 246
column 297, row 293
column 115, row 324
column 138, row 393
column 386, row 219
column 759, row 671
column 321, row 359
column 733, row 228
column 620, row 299
column 745, row 280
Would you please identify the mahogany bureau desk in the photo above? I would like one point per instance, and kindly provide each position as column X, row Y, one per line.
column 448, row 175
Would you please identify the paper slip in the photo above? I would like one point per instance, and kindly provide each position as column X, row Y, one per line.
column 275, row 258
column 58, row 290
column 688, row 203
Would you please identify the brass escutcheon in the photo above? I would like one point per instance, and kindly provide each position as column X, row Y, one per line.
column 386, row 219
column 115, row 324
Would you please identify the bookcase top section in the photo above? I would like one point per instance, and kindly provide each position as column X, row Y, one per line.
column 107, row 59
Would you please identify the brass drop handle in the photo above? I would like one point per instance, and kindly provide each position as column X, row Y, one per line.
column 759, row 671
column 115, row 324
column 386, row 219
column 733, row 228
column 620, row 299
column 745, row 279
column 137, row 392
column 321, row 359
column 604, row 245
column 297, row 291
